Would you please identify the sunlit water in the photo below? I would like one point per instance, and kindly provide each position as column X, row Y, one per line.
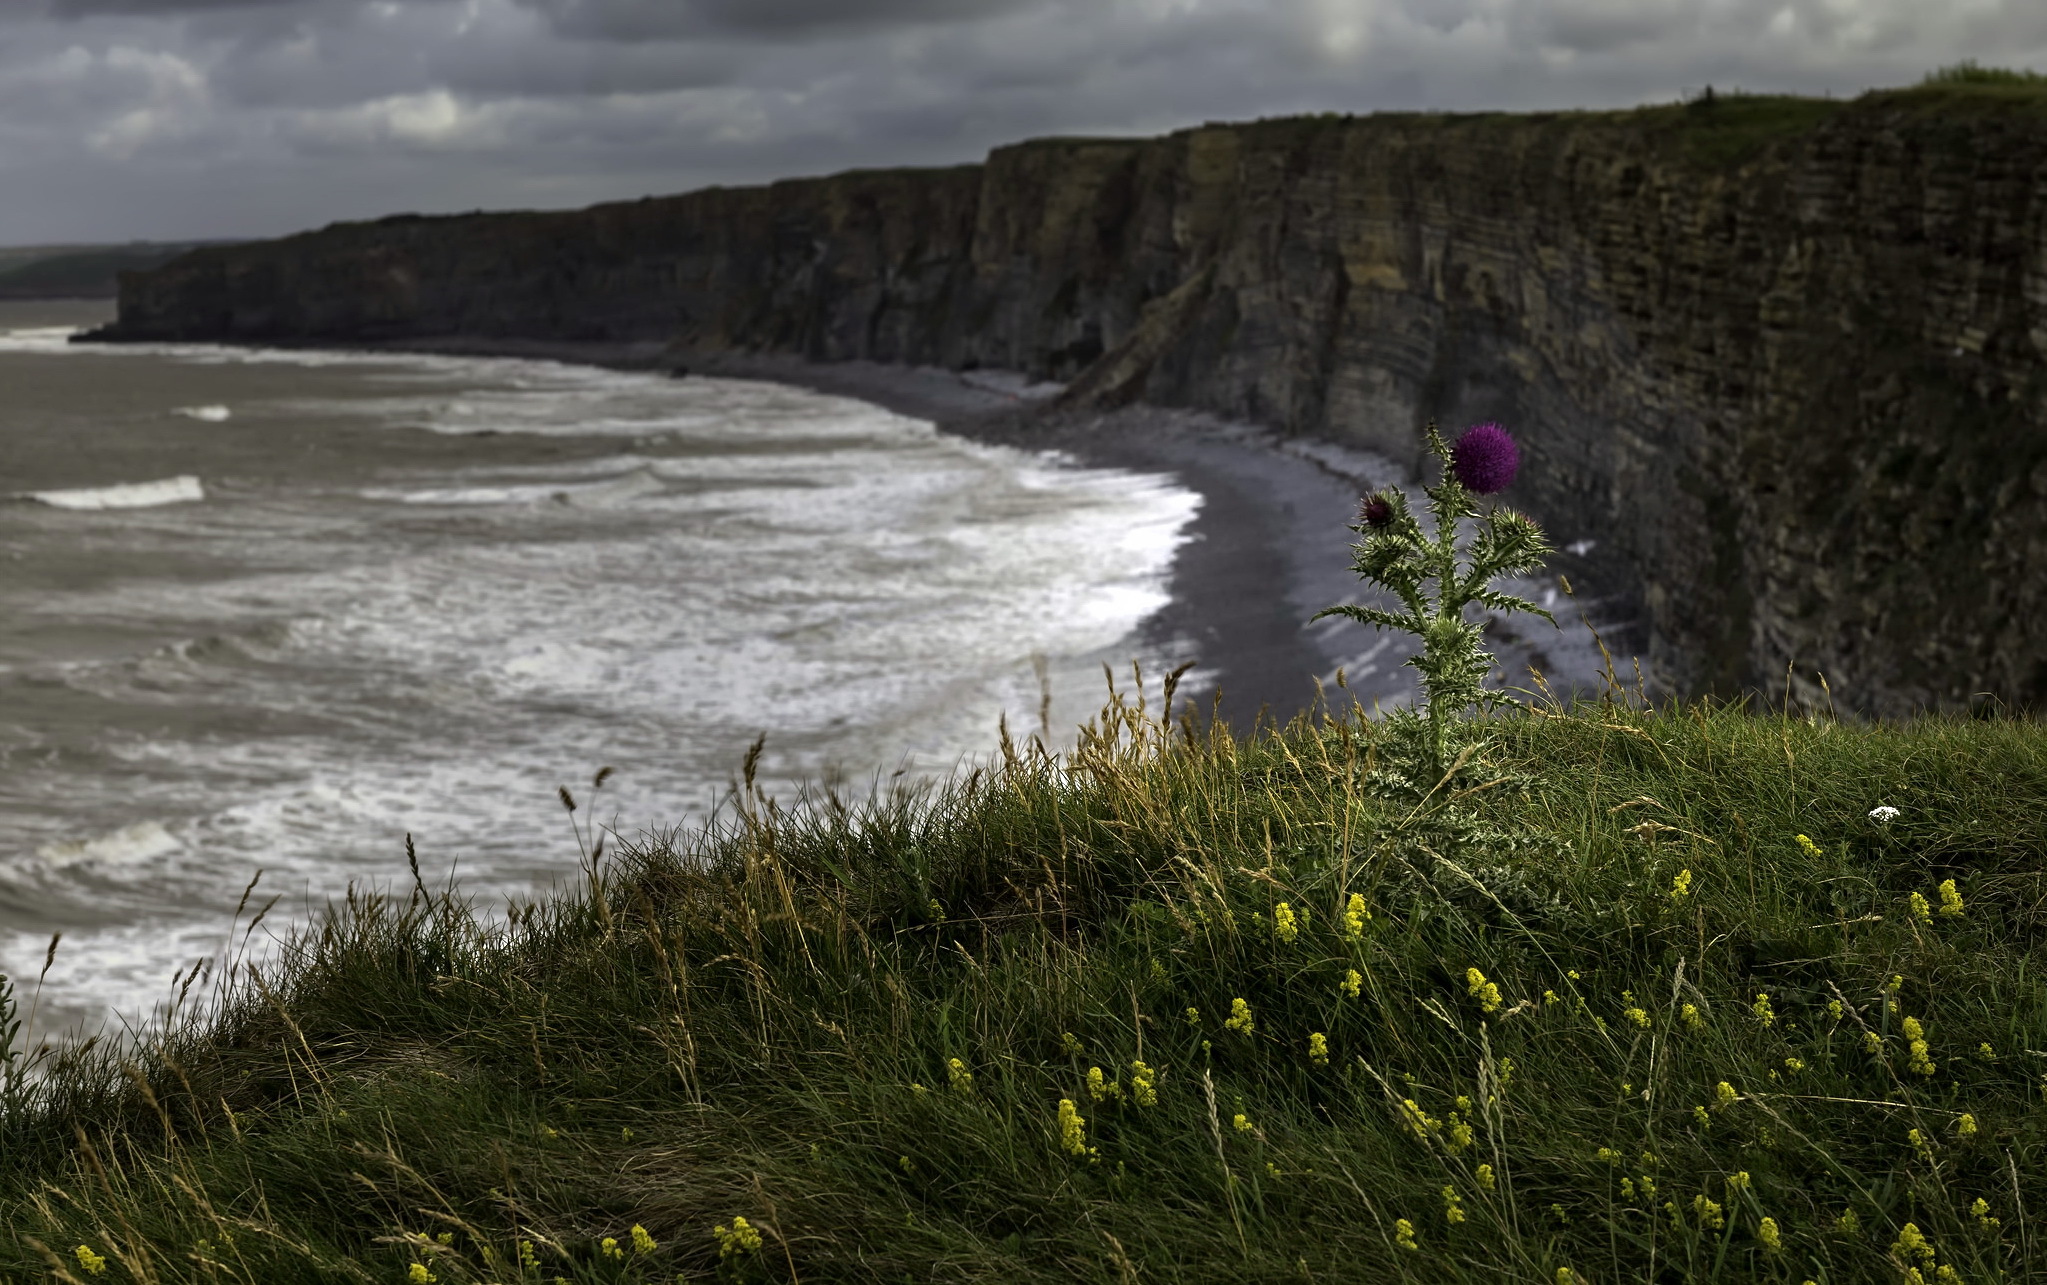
column 277, row 610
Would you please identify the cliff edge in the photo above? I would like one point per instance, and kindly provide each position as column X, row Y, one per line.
column 1776, row 363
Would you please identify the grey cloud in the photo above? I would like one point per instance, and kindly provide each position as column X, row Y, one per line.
column 676, row 19
column 159, row 8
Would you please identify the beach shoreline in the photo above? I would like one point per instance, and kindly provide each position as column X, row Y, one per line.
column 1269, row 547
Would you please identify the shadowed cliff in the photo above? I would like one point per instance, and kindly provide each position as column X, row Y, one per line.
column 1776, row 362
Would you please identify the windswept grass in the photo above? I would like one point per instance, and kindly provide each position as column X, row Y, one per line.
column 1175, row 1007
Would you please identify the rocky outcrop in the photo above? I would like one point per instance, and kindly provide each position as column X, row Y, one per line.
column 1776, row 363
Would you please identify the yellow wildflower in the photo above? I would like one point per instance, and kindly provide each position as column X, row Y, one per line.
column 1271, row 1170
column 1284, row 925
column 1193, row 1016
column 1072, row 1129
column 1918, row 1141
column 1486, row 1178
column 1485, row 992
column 1100, row 1088
column 1565, row 1276
column 1143, row 1085
column 1772, row 1239
column 1896, row 984
column 417, row 1273
column 1458, row 1136
column 1550, row 997
column 1403, row 1235
column 1761, row 1008
column 1847, row 1224
column 1950, row 899
column 1794, row 1064
column 1920, row 910
column 1689, row 1015
column 1463, row 1103
column 1452, row 1211
column 1965, row 1125
column 1417, row 1120
column 1648, row 1186
column 610, row 1246
column 1505, row 1075
column 1318, row 1049
column 1699, row 1114
column 1711, row 1217
column 1989, row 1054
column 1627, row 1189
column 1834, row 1009
column 1921, row 1060
column 1809, row 848
column 739, row 1238
column 918, row 1088
column 1681, row 887
column 1241, row 1123
column 642, row 1242
column 1872, row 1043
column 1240, row 1019
column 1638, row 1016
column 527, row 1258
column 1980, row 1210
column 1354, row 917
column 1352, row 980
column 962, row 1078
column 1724, row 1095
column 94, row 1264
column 1607, row 1156
column 1071, row 1044
column 1913, row 1243
column 1738, row 1181
column 445, row 1238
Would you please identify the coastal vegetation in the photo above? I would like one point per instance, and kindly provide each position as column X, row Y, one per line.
column 1566, row 991
column 1176, row 1006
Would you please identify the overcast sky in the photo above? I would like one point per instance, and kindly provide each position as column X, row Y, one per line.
column 192, row 118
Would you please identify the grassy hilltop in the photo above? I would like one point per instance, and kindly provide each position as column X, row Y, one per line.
column 1177, row 1006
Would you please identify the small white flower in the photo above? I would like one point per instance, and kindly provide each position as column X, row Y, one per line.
column 1883, row 814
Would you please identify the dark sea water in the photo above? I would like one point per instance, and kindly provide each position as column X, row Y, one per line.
column 269, row 610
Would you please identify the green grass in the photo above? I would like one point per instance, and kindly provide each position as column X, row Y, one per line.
column 757, row 1021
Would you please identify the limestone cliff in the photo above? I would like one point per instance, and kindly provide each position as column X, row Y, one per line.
column 1779, row 360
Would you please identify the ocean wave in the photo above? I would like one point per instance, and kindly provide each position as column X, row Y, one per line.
column 37, row 339
column 125, row 495
column 130, row 843
column 210, row 414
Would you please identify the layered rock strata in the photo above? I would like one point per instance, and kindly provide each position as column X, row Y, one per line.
column 1776, row 363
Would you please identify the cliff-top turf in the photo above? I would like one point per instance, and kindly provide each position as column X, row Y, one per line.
column 1584, row 993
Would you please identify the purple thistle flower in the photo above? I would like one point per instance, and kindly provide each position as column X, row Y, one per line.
column 1375, row 511
column 1485, row 459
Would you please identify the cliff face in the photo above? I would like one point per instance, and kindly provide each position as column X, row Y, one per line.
column 1779, row 360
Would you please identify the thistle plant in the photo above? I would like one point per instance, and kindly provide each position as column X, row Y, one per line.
column 1434, row 586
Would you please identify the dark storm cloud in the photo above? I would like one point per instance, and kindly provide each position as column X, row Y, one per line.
column 173, row 118
column 670, row 19
column 88, row 8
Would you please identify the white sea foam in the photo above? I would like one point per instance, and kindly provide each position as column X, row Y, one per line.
column 37, row 339
column 215, row 414
column 126, row 495
column 132, row 843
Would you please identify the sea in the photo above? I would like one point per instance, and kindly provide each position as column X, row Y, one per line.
column 276, row 611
